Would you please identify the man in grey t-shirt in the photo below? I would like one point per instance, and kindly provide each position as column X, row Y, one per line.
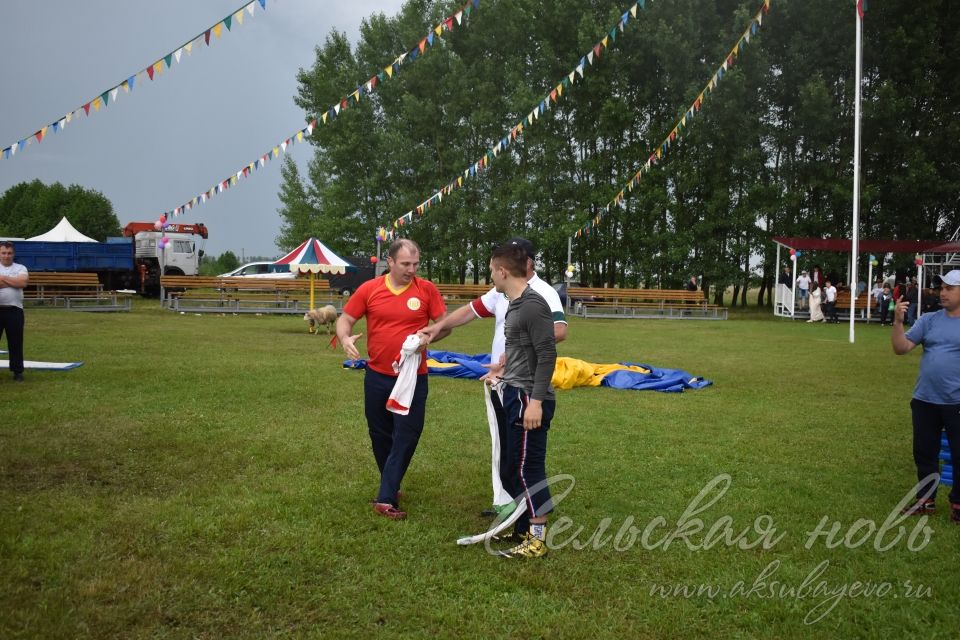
column 13, row 278
column 528, row 399
column 936, row 399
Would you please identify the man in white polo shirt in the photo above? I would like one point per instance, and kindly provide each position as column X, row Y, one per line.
column 494, row 304
column 13, row 278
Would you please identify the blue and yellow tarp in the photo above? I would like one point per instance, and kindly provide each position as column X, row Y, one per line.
column 569, row 373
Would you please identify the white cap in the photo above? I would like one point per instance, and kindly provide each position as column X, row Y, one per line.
column 952, row 278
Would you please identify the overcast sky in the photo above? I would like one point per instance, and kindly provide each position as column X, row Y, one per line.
column 170, row 139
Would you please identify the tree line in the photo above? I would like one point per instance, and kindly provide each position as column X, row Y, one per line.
column 770, row 154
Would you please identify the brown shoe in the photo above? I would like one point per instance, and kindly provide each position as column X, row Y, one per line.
column 389, row 511
column 922, row 507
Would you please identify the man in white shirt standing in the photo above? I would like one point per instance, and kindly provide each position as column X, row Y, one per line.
column 494, row 304
column 803, row 289
column 831, row 302
column 13, row 278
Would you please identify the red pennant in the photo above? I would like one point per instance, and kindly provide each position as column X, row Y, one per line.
column 206, row 37
column 39, row 136
column 596, row 51
column 150, row 71
column 86, row 108
column 449, row 23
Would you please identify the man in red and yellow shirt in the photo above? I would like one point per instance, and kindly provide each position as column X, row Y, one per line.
column 396, row 305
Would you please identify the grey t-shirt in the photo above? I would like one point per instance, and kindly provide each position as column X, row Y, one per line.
column 530, row 345
column 939, row 379
column 11, row 296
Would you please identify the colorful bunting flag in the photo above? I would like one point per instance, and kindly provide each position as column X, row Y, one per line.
column 345, row 103
column 674, row 134
column 105, row 97
column 517, row 130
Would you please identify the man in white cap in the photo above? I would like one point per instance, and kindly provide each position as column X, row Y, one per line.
column 803, row 289
column 936, row 399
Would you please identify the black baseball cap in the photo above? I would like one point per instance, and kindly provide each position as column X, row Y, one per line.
column 526, row 245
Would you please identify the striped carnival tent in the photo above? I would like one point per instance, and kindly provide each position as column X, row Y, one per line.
column 313, row 257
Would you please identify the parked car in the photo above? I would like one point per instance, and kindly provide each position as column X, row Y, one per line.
column 348, row 282
column 260, row 270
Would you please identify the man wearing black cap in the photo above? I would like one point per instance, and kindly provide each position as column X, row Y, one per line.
column 935, row 406
column 494, row 304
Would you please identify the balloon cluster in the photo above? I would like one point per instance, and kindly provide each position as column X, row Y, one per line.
column 794, row 254
column 569, row 271
column 918, row 260
column 163, row 242
column 873, row 260
column 161, row 224
column 381, row 235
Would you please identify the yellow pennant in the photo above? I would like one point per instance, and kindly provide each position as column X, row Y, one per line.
column 439, row 29
column 389, row 71
column 633, row 11
column 238, row 16
column 324, row 117
column 189, row 47
column 96, row 104
column 217, row 30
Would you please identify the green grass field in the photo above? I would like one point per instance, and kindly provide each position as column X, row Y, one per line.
column 209, row 477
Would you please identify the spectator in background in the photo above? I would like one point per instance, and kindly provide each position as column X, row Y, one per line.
column 911, row 295
column 818, row 275
column 803, row 289
column 13, row 278
column 830, row 301
column 816, row 315
column 884, row 304
column 692, row 284
column 786, row 279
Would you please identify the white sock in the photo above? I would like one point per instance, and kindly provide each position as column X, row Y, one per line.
column 538, row 531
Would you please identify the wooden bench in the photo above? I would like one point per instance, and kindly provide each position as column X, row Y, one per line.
column 200, row 294
column 461, row 294
column 75, row 291
column 595, row 302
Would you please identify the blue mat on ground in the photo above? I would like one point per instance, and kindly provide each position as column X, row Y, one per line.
column 461, row 365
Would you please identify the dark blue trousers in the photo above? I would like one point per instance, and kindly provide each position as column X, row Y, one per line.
column 528, row 456
column 11, row 324
column 393, row 437
column 929, row 421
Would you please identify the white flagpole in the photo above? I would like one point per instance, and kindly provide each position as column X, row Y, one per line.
column 855, row 248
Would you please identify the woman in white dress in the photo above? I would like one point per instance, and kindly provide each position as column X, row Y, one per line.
column 815, row 295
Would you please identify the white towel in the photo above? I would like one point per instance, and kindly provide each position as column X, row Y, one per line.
column 500, row 495
column 406, row 367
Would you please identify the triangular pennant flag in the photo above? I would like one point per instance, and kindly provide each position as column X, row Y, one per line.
column 189, row 47
column 430, row 37
column 114, row 92
column 169, row 60
column 633, row 11
column 86, row 108
column 251, row 7
column 458, row 16
column 218, row 29
column 263, row 4
column 97, row 103
column 238, row 16
column 178, row 53
column 206, row 37
column 150, row 71
column 105, row 96
column 228, row 21
column 589, row 58
column 604, row 43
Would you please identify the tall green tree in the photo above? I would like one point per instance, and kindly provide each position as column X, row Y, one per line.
column 32, row 208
